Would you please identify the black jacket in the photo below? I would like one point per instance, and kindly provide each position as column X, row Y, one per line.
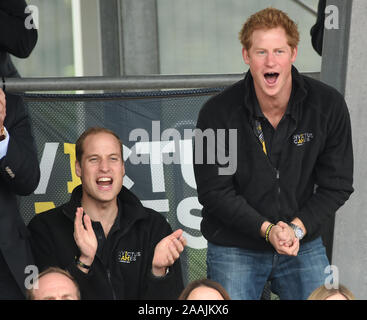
column 19, row 175
column 15, row 38
column 317, row 30
column 123, row 269
column 315, row 168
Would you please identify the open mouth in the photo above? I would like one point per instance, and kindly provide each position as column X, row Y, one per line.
column 104, row 182
column 271, row 77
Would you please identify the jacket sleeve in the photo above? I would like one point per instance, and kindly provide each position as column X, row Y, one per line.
column 169, row 286
column 19, row 168
column 43, row 248
column 15, row 38
column 333, row 171
column 93, row 285
column 217, row 189
column 317, row 30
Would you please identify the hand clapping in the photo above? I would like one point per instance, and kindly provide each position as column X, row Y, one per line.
column 167, row 251
column 85, row 237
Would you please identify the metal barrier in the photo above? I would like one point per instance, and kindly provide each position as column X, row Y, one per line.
column 124, row 83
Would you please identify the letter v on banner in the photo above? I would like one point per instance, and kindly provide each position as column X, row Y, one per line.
column 46, row 165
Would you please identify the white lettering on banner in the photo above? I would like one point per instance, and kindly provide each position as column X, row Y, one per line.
column 187, row 168
column 185, row 218
column 127, row 182
column 155, row 150
column 171, row 157
column 46, row 165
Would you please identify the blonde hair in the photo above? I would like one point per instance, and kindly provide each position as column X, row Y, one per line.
column 322, row 293
column 269, row 18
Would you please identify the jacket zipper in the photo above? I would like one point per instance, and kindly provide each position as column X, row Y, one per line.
column 110, row 283
column 277, row 177
column 278, row 185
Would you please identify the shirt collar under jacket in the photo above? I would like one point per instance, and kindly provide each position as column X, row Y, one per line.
column 130, row 207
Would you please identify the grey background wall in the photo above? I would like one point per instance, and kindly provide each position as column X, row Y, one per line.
column 350, row 247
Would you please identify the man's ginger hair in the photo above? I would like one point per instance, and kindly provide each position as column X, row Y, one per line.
column 266, row 19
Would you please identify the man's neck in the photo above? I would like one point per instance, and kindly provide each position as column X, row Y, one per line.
column 103, row 212
column 274, row 108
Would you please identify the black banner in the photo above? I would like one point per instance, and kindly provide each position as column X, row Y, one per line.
column 157, row 133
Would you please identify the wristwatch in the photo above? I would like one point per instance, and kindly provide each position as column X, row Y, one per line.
column 2, row 134
column 298, row 232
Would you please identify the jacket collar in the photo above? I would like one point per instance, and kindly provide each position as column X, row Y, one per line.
column 299, row 93
column 130, row 211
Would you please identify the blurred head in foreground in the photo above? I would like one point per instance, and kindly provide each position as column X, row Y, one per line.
column 204, row 289
column 340, row 293
column 54, row 284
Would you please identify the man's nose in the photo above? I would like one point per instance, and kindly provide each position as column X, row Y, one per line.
column 104, row 165
column 270, row 59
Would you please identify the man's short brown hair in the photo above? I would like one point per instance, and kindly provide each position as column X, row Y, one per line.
column 269, row 18
column 90, row 131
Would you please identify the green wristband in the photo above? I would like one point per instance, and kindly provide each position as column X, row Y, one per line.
column 267, row 232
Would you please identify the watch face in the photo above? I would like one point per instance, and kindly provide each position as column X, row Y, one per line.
column 299, row 233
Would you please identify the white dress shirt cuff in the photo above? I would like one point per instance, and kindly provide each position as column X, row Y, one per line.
column 4, row 145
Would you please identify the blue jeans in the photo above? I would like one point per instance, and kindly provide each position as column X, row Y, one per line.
column 244, row 273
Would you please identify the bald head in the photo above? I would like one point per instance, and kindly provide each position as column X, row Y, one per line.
column 55, row 286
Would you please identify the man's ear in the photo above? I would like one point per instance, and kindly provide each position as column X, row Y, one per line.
column 294, row 54
column 245, row 56
column 78, row 169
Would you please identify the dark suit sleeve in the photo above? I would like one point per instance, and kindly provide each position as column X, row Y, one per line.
column 15, row 37
column 19, row 169
column 169, row 286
